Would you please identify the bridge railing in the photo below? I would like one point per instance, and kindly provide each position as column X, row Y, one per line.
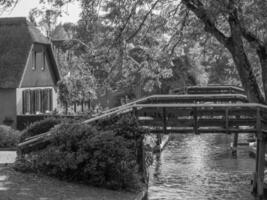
column 185, row 118
column 172, row 98
column 203, row 118
column 210, row 89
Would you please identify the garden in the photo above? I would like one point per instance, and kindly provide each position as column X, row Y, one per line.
column 107, row 154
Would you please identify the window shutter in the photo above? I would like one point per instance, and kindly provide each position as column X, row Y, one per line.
column 31, row 102
column 38, row 105
column 45, row 100
column 28, row 101
column 41, row 101
column 23, row 102
column 50, row 99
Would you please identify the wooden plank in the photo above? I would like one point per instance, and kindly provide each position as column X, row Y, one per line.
column 171, row 113
column 208, row 105
column 171, row 123
column 183, row 130
column 201, row 122
column 255, row 178
column 191, row 98
column 211, row 122
column 242, row 122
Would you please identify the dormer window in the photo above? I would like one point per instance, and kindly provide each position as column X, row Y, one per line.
column 43, row 63
column 38, row 60
column 34, row 61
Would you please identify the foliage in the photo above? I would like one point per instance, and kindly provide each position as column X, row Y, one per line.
column 126, row 46
column 229, row 42
column 8, row 137
column 78, row 152
column 5, row 5
column 39, row 127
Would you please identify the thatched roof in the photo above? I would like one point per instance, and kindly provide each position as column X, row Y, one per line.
column 16, row 37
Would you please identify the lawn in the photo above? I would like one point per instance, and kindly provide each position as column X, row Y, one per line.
column 19, row 186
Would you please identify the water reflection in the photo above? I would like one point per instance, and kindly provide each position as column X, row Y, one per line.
column 201, row 167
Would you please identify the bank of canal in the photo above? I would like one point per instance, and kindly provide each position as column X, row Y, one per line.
column 201, row 167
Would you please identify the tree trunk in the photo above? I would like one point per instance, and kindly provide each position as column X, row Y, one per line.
column 236, row 48
column 233, row 43
column 262, row 53
column 246, row 74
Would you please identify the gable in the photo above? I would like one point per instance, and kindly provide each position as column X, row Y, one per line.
column 17, row 36
column 39, row 68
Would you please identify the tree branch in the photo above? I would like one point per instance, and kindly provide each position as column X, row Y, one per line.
column 197, row 7
column 143, row 21
column 127, row 20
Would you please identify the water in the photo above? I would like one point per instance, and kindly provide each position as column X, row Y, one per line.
column 201, row 167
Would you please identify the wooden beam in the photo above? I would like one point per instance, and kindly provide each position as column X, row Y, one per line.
column 260, row 174
column 261, row 156
column 255, row 175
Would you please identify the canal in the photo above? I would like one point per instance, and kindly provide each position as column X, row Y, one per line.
column 201, row 167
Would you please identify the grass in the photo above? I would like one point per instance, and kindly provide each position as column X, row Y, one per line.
column 20, row 186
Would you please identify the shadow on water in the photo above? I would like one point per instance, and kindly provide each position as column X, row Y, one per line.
column 201, row 167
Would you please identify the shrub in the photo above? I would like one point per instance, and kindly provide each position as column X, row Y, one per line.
column 8, row 137
column 128, row 128
column 79, row 152
column 39, row 127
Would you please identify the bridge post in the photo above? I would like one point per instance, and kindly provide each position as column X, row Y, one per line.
column 227, row 120
column 255, row 175
column 195, row 120
column 235, row 142
column 258, row 182
column 164, row 121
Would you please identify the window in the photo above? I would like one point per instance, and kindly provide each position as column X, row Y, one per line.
column 43, row 61
column 34, row 61
column 37, row 101
column 38, row 60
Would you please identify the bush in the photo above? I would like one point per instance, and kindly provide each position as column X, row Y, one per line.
column 39, row 127
column 79, row 152
column 92, row 155
column 8, row 137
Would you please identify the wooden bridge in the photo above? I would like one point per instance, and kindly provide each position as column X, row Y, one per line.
column 196, row 112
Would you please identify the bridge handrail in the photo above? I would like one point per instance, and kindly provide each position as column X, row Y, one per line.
column 200, row 105
column 222, row 87
column 171, row 96
column 176, row 105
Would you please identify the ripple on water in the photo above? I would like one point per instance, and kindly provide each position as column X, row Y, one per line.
column 201, row 167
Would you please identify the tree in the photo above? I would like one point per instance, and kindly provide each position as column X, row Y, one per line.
column 6, row 5
column 225, row 20
column 109, row 31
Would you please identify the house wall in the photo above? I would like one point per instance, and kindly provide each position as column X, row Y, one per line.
column 19, row 98
column 8, row 105
column 34, row 77
column 38, row 77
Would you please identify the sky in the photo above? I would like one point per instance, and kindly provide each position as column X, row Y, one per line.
column 22, row 9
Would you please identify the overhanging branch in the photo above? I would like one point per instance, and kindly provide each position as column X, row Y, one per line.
column 198, row 9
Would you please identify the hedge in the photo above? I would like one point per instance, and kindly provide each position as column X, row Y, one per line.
column 91, row 155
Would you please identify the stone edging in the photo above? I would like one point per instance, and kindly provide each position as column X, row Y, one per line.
column 8, row 149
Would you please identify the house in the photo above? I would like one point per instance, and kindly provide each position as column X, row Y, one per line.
column 28, row 71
